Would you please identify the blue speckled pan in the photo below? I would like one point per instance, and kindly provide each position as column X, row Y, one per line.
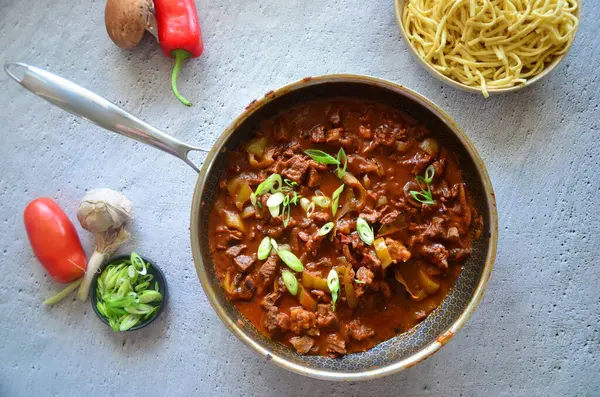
column 406, row 349
column 398, row 353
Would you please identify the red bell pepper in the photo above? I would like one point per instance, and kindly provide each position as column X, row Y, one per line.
column 178, row 34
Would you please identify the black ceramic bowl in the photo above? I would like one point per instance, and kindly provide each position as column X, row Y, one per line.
column 158, row 276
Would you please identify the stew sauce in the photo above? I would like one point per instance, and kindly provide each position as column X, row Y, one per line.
column 389, row 155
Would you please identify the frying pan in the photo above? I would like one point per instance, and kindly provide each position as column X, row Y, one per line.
column 393, row 355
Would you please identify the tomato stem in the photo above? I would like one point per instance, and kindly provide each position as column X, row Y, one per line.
column 180, row 56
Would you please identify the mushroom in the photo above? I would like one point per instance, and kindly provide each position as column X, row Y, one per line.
column 127, row 20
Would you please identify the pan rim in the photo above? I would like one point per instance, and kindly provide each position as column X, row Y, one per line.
column 405, row 363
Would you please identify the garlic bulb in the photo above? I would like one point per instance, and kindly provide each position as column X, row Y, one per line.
column 104, row 213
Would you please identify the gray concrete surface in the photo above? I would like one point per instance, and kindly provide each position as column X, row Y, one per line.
column 536, row 332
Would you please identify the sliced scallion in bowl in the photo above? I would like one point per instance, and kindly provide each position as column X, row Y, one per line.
column 129, row 293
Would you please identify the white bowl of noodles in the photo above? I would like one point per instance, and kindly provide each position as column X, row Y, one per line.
column 488, row 46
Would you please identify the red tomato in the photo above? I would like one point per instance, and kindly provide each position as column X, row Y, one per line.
column 54, row 240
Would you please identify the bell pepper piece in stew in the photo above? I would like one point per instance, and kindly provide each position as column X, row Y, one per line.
column 373, row 209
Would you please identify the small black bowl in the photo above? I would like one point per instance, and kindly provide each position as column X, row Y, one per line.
column 158, row 276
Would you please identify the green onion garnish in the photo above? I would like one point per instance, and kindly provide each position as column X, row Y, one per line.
column 333, row 283
column 290, row 260
column 364, row 231
column 286, row 211
column 290, row 281
column 321, row 157
column 321, row 201
column 272, row 184
column 325, row 229
column 264, row 248
column 335, row 199
column 341, row 158
column 424, row 196
column 310, row 209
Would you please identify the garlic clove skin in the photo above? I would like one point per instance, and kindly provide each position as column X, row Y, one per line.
column 104, row 209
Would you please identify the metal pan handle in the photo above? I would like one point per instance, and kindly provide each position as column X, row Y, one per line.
column 84, row 103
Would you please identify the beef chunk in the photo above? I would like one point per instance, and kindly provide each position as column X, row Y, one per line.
column 321, row 296
column 358, row 331
column 321, row 217
column 389, row 217
column 357, row 164
column 266, row 273
column 296, row 168
column 235, row 250
column 459, row 254
column 346, row 225
column 325, row 316
column 334, row 135
column 225, row 236
column 397, row 251
column 303, row 321
column 419, row 162
column 365, row 275
column 302, row 344
column 335, row 346
column 439, row 166
column 317, row 134
column 313, row 241
column 364, row 131
column 244, row 261
column 348, row 255
column 275, row 321
column 452, row 234
column 314, row 179
column 436, row 253
column 334, row 117
column 246, row 290
column 270, row 300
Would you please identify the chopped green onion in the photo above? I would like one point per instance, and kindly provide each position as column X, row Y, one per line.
column 274, row 244
column 149, row 296
column 341, row 158
column 295, row 198
column 140, row 308
column 321, row 157
column 429, row 174
column 290, row 183
column 290, row 281
column 253, row 198
column 274, row 211
column 364, row 231
column 359, row 281
column 290, row 260
column 304, row 203
column 424, row 196
column 275, row 200
column 138, row 263
column 128, row 321
column 335, row 199
column 333, row 283
column 321, row 201
column 264, row 248
column 272, row 184
column 325, row 229
column 310, row 209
